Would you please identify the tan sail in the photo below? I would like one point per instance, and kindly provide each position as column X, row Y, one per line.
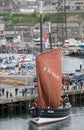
column 49, row 74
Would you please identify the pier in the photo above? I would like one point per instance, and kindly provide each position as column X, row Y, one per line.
column 21, row 100
column 76, row 97
column 21, row 103
column 16, row 104
column 16, row 94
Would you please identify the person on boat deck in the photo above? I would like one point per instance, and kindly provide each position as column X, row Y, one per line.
column 65, row 100
column 37, row 108
column 36, row 103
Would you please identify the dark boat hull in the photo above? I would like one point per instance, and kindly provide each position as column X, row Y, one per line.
column 50, row 115
column 50, row 112
column 55, row 112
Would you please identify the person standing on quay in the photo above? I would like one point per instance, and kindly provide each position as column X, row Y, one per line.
column 0, row 92
column 80, row 66
column 3, row 91
column 16, row 91
column 7, row 94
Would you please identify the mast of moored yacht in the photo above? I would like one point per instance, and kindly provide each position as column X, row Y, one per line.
column 50, row 36
column 41, row 30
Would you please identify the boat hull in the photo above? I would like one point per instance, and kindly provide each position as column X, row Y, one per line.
column 49, row 116
column 50, row 112
column 45, row 121
column 55, row 112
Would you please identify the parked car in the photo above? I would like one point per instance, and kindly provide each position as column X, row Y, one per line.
column 76, row 78
column 65, row 80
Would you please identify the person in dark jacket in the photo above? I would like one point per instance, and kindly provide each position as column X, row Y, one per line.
column 37, row 108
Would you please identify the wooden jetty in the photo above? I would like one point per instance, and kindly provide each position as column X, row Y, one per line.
column 13, row 102
column 76, row 96
column 16, row 104
column 22, row 103
column 19, row 102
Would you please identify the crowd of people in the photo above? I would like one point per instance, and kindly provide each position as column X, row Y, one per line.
column 9, row 93
column 76, row 85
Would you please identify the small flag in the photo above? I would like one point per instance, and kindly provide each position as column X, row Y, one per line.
column 45, row 36
column 23, row 59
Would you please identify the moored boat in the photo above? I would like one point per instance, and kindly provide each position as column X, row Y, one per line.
column 52, row 108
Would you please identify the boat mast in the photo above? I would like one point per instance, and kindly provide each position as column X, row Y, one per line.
column 41, row 31
column 65, row 16
column 50, row 36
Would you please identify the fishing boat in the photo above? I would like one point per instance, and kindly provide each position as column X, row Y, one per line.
column 52, row 108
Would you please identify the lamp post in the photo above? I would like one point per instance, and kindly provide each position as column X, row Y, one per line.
column 41, row 21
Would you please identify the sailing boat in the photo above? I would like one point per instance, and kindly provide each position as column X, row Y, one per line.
column 49, row 86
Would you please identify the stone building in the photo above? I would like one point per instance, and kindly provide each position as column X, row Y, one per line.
column 24, row 30
column 77, row 5
column 6, row 5
column 81, row 30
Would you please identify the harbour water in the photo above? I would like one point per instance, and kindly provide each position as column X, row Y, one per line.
column 76, row 122
column 70, row 64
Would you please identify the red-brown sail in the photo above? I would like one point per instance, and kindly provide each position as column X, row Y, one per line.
column 49, row 73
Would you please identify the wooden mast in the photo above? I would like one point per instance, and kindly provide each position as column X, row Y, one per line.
column 50, row 36
column 41, row 31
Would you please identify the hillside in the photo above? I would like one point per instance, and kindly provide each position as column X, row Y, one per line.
column 75, row 18
column 14, row 18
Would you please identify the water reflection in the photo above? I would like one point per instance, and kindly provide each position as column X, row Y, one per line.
column 76, row 122
column 55, row 126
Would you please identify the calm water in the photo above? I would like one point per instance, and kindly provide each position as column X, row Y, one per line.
column 70, row 64
column 76, row 122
